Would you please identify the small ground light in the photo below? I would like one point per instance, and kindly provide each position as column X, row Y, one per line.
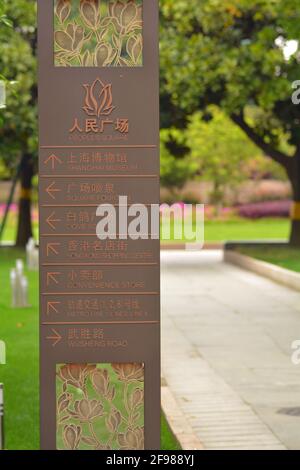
column 2, row 353
column 2, row 94
column 19, row 286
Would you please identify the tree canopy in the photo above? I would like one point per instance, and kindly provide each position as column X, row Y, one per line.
column 235, row 54
column 226, row 52
column 18, row 132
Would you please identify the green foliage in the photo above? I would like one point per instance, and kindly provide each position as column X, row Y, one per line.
column 175, row 171
column 4, row 172
column 226, row 52
column 4, row 20
column 221, row 150
column 214, row 149
column 18, row 64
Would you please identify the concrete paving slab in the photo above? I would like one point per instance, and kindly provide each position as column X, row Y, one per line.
column 227, row 337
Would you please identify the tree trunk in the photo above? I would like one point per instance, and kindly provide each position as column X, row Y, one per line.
column 295, row 233
column 24, row 231
column 290, row 164
column 295, row 212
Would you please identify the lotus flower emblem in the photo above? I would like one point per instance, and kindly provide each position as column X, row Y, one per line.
column 98, row 99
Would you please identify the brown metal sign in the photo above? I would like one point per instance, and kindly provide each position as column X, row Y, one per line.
column 99, row 297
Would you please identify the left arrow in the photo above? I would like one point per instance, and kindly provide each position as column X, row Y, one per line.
column 55, row 339
column 51, row 222
column 51, row 190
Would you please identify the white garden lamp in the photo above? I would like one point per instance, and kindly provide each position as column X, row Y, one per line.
column 19, row 286
column 2, row 94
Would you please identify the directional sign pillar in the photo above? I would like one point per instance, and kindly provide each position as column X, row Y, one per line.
column 99, row 298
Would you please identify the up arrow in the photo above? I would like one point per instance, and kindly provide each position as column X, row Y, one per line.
column 53, row 159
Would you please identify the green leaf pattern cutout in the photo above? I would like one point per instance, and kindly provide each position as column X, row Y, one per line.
column 98, row 33
column 100, row 407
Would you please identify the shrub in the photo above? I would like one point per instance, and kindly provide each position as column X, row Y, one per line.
column 265, row 209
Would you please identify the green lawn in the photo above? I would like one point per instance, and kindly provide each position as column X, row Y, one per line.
column 244, row 229
column 215, row 230
column 19, row 330
column 11, row 227
column 286, row 257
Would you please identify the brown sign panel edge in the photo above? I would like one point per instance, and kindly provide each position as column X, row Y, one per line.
column 67, row 130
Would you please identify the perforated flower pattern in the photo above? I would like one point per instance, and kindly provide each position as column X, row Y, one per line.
column 100, row 407
column 98, row 33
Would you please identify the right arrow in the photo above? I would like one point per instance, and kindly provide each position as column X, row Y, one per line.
column 56, row 338
column 53, row 159
column 51, row 221
column 51, row 307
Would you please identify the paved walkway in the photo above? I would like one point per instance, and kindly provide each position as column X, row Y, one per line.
column 227, row 337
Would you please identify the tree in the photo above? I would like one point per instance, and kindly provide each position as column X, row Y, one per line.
column 18, row 133
column 175, row 169
column 234, row 54
column 4, row 20
column 221, row 150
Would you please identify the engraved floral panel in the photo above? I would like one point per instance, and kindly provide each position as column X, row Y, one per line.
column 98, row 33
column 100, row 406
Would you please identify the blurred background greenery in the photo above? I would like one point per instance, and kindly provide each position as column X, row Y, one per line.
column 230, row 138
column 229, row 130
